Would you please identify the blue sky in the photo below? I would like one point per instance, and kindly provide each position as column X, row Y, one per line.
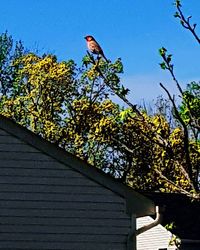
column 131, row 29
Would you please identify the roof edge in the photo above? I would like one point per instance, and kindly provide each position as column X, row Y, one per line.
column 136, row 202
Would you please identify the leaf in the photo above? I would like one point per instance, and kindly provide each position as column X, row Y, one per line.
column 124, row 91
column 163, row 65
column 176, row 14
column 169, row 58
column 125, row 113
column 178, row 3
column 162, row 51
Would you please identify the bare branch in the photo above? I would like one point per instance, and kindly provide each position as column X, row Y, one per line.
column 166, row 64
column 186, row 136
column 123, row 145
column 185, row 22
column 178, row 188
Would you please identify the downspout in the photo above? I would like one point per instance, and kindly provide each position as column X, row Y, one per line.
column 151, row 225
column 133, row 233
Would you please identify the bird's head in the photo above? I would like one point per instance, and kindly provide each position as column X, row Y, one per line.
column 89, row 38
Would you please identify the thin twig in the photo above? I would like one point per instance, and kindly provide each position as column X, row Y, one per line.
column 186, row 23
column 186, row 136
column 170, row 68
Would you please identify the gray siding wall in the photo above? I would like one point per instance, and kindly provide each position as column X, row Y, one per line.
column 47, row 205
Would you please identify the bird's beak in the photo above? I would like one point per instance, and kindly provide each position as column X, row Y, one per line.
column 85, row 37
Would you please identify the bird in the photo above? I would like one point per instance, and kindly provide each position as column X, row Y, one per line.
column 94, row 47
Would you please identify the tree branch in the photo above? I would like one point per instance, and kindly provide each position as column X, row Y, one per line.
column 178, row 188
column 170, row 67
column 186, row 136
column 134, row 108
column 185, row 22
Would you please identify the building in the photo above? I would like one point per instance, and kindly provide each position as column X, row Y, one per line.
column 50, row 199
column 156, row 238
column 183, row 215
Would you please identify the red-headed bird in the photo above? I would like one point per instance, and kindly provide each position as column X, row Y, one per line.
column 94, row 47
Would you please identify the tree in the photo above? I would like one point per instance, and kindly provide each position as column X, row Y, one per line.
column 73, row 108
column 36, row 98
column 180, row 150
column 8, row 53
column 190, row 108
column 187, row 114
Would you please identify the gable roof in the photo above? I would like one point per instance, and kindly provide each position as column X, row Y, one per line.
column 136, row 203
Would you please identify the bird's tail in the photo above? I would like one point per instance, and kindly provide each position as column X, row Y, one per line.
column 105, row 58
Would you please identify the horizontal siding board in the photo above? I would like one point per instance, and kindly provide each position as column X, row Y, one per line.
column 62, row 205
column 33, row 196
column 34, row 172
column 24, row 245
column 25, row 156
column 10, row 139
column 13, row 163
column 16, row 147
column 52, row 173
column 26, row 220
column 104, row 214
column 86, row 189
column 68, row 229
column 67, row 237
column 44, row 180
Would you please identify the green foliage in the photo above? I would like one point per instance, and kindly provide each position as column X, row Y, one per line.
column 191, row 103
column 72, row 107
column 8, row 53
column 166, row 63
column 187, row 115
column 177, row 3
